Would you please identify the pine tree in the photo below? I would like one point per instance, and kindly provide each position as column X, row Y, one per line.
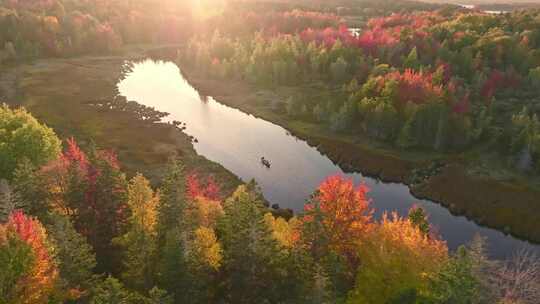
column 76, row 259
column 328, row 269
column 110, row 290
column 139, row 241
column 419, row 219
column 411, row 62
column 172, row 199
column 173, row 273
column 104, row 213
column 29, row 188
column 251, row 265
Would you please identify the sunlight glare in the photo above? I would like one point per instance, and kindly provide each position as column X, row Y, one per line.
column 204, row 9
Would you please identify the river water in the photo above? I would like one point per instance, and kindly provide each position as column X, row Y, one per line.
column 238, row 141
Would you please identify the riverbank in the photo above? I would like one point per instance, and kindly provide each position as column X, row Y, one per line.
column 507, row 205
column 65, row 94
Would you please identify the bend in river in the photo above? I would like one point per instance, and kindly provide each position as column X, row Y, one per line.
column 238, row 140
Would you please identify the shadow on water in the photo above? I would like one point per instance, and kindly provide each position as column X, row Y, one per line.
column 239, row 142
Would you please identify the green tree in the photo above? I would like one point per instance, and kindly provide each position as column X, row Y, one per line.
column 29, row 186
column 338, row 70
column 172, row 201
column 344, row 117
column 103, row 215
column 534, row 77
column 17, row 260
column 328, row 269
column 419, row 219
column 251, row 265
column 110, row 290
column 76, row 259
column 411, row 61
column 173, row 273
column 22, row 136
column 139, row 241
column 465, row 278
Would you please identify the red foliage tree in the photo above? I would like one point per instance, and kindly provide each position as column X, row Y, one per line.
column 93, row 190
column 35, row 285
column 209, row 190
column 498, row 80
column 415, row 87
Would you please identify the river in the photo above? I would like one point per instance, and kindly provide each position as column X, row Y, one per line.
column 238, row 140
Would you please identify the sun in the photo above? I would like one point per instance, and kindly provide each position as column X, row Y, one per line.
column 204, row 9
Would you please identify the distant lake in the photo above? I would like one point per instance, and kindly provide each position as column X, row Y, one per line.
column 238, row 141
column 472, row 7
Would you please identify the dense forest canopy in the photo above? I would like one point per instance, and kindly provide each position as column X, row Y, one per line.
column 76, row 229
column 443, row 80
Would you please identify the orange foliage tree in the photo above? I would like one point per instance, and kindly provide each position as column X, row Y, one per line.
column 345, row 214
column 398, row 259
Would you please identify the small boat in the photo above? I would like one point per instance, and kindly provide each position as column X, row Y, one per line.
column 265, row 162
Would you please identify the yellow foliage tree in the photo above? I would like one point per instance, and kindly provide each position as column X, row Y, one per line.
column 143, row 204
column 397, row 261
column 206, row 250
column 205, row 212
column 140, row 240
column 287, row 233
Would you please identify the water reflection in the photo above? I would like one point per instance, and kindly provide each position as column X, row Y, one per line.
column 238, row 141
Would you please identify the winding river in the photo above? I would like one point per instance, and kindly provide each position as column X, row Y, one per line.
column 238, row 141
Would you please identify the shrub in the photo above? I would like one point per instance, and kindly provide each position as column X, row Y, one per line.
column 23, row 137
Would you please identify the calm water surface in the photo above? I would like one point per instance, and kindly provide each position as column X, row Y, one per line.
column 238, row 141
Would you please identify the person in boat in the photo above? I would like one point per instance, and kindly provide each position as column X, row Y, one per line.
column 265, row 162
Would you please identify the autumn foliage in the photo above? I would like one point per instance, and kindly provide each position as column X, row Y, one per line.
column 37, row 283
column 397, row 257
column 208, row 189
column 93, row 190
column 415, row 87
column 346, row 213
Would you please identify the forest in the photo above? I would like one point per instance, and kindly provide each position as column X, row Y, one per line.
column 443, row 80
column 77, row 227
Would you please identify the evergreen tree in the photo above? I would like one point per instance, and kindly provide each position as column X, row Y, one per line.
column 104, row 213
column 419, row 219
column 411, row 61
column 139, row 241
column 173, row 273
column 76, row 259
column 29, row 187
column 172, row 201
column 17, row 260
column 251, row 267
column 110, row 291
column 338, row 70
column 330, row 276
